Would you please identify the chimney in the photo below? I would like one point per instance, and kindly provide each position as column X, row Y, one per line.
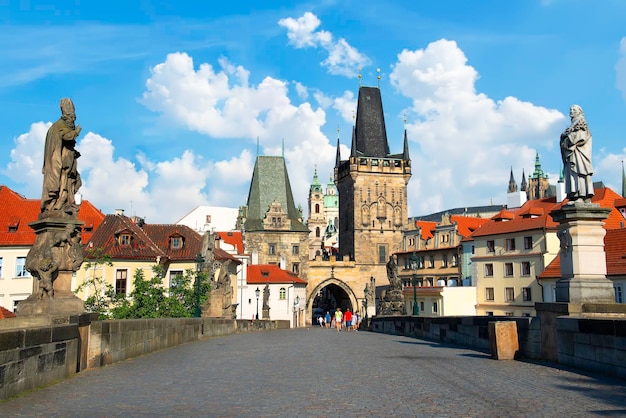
column 119, row 212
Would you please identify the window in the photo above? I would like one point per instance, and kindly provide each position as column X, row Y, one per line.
column 317, row 208
column 435, row 307
column 121, row 277
column 526, row 294
column 282, row 294
column 444, row 260
column 431, row 261
column 208, row 219
column 295, row 267
column 508, row 314
column 473, row 249
column 382, row 253
column 177, row 242
column 125, row 239
column 509, row 294
column 491, row 246
column 176, row 277
column 422, row 306
column 0, row 267
column 488, row 270
column 271, row 250
column 508, row 269
column 528, row 243
column 317, row 232
column 510, row 244
column 455, row 260
column 489, row 293
column 20, row 267
column 489, row 313
column 525, row 268
column 295, row 249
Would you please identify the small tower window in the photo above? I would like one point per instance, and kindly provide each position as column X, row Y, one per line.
column 317, row 208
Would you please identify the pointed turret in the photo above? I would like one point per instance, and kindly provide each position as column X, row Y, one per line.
column 512, row 184
column 316, row 186
column 338, row 157
column 405, row 154
column 353, row 146
column 523, row 185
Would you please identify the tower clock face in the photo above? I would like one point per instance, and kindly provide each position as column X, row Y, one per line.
column 317, row 196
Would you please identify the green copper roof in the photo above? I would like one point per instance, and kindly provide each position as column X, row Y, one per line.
column 316, row 186
column 270, row 181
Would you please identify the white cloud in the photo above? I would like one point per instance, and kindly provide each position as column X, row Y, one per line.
column 620, row 69
column 343, row 59
column 467, row 141
column 301, row 89
column 346, row 106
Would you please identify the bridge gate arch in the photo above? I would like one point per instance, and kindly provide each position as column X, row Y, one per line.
column 330, row 294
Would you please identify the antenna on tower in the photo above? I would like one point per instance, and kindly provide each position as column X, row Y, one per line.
column 378, row 76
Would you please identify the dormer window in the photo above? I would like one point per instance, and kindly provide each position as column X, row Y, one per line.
column 125, row 239
column 14, row 223
column 176, row 243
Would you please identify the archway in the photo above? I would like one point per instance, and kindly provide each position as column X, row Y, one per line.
column 330, row 295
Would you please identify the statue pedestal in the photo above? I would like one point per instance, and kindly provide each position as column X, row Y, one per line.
column 266, row 313
column 56, row 254
column 214, row 307
column 583, row 261
column 64, row 303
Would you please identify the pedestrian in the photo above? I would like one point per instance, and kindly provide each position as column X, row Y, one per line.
column 327, row 319
column 355, row 321
column 348, row 319
column 338, row 319
column 320, row 321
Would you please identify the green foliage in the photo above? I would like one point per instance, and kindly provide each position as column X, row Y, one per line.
column 101, row 294
column 149, row 300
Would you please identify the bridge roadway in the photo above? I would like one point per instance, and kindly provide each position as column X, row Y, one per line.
column 321, row 373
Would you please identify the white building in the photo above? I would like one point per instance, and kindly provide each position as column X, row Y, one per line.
column 210, row 218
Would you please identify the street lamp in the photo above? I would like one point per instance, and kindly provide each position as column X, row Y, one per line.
column 296, row 302
column 413, row 259
column 199, row 265
column 257, row 292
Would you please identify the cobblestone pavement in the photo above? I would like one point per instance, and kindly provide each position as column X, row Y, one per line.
column 321, row 373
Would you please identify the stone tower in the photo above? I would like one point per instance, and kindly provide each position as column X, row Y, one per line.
column 372, row 187
column 273, row 225
column 316, row 222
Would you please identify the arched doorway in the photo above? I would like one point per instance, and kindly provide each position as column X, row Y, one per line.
column 330, row 295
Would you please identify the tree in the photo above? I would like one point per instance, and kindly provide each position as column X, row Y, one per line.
column 149, row 300
column 101, row 293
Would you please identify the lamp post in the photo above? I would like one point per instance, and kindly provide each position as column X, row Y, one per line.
column 199, row 265
column 257, row 292
column 296, row 302
column 413, row 259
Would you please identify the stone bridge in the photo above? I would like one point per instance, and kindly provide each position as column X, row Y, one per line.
column 319, row 372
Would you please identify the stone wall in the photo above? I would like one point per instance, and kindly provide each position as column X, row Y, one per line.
column 466, row 331
column 593, row 344
column 34, row 352
column 32, row 357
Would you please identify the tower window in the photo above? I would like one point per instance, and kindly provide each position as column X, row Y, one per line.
column 317, row 208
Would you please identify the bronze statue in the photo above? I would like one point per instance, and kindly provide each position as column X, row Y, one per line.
column 576, row 155
column 61, row 180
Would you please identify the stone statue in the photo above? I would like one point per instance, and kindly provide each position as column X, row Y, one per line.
column 392, row 273
column 266, row 297
column 576, row 155
column 61, row 180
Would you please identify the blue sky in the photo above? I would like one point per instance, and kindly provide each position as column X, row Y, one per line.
column 172, row 96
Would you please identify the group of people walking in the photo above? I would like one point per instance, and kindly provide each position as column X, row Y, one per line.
column 346, row 321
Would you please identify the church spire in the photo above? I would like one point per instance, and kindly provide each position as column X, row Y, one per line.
column 623, row 181
column 338, row 157
column 353, row 148
column 512, row 184
column 370, row 133
column 523, row 185
column 405, row 154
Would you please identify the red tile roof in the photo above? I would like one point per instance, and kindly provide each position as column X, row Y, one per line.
column 16, row 211
column 467, row 224
column 270, row 273
column 220, row 254
column 614, row 248
column 5, row 313
column 426, row 228
column 234, row 238
column 535, row 214
column 147, row 242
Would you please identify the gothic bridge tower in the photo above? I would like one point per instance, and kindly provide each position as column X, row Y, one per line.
column 372, row 187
